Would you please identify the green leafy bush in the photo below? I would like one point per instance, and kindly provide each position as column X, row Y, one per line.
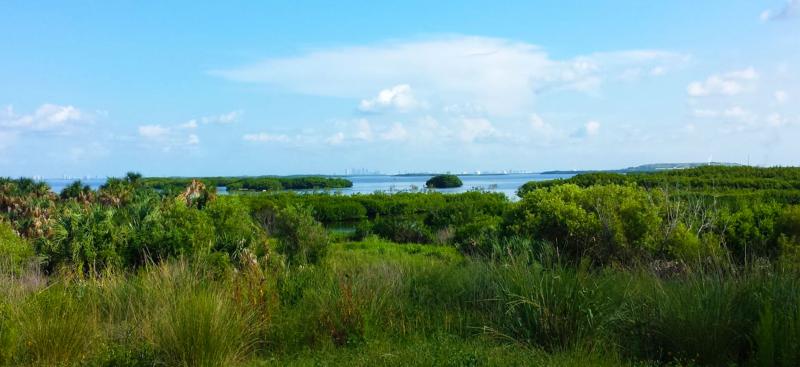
column 175, row 229
column 233, row 227
column 403, row 230
column 443, row 182
column 603, row 223
column 301, row 238
column 14, row 251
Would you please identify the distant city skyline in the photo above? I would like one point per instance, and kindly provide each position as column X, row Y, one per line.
column 264, row 88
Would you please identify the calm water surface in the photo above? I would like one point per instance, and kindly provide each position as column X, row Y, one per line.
column 507, row 184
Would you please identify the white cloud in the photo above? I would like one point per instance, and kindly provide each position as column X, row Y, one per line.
column 732, row 83
column 789, row 10
column 777, row 120
column 472, row 129
column 738, row 113
column 225, row 118
column 781, row 96
column 541, row 132
column 396, row 133
column 500, row 75
column 266, row 137
column 191, row 124
column 153, row 131
column 363, row 130
column 172, row 136
column 398, row 98
column 47, row 117
column 733, row 113
column 336, row 139
column 592, row 128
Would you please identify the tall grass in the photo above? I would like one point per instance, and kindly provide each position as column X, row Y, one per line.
column 380, row 303
column 555, row 308
column 777, row 334
column 188, row 322
column 56, row 327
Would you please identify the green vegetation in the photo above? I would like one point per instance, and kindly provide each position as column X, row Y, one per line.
column 443, row 182
column 776, row 183
column 261, row 183
column 596, row 270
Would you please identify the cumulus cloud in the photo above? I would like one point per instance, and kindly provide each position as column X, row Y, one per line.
column 590, row 128
column 728, row 84
column 153, row 131
column 500, row 75
column 47, row 117
column 170, row 136
column 399, row 98
column 789, row 10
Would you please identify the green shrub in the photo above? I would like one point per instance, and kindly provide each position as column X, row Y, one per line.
column 301, row 238
column 234, row 229
column 603, row 223
column 443, row 182
column 477, row 236
column 175, row 229
column 683, row 244
column 15, row 252
column 403, row 230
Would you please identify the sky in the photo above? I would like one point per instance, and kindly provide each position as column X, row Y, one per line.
column 91, row 88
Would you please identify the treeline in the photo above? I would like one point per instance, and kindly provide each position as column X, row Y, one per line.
column 127, row 221
column 775, row 183
column 260, row 183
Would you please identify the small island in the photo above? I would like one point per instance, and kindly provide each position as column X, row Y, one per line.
column 444, row 182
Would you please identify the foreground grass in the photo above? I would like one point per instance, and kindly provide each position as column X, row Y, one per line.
column 441, row 350
column 379, row 303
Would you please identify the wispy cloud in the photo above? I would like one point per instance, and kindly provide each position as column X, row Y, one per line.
column 47, row 117
column 225, row 118
column 266, row 137
column 789, row 10
column 500, row 75
column 729, row 84
column 167, row 137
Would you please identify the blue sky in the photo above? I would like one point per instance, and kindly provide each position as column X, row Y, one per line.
column 183, row 88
